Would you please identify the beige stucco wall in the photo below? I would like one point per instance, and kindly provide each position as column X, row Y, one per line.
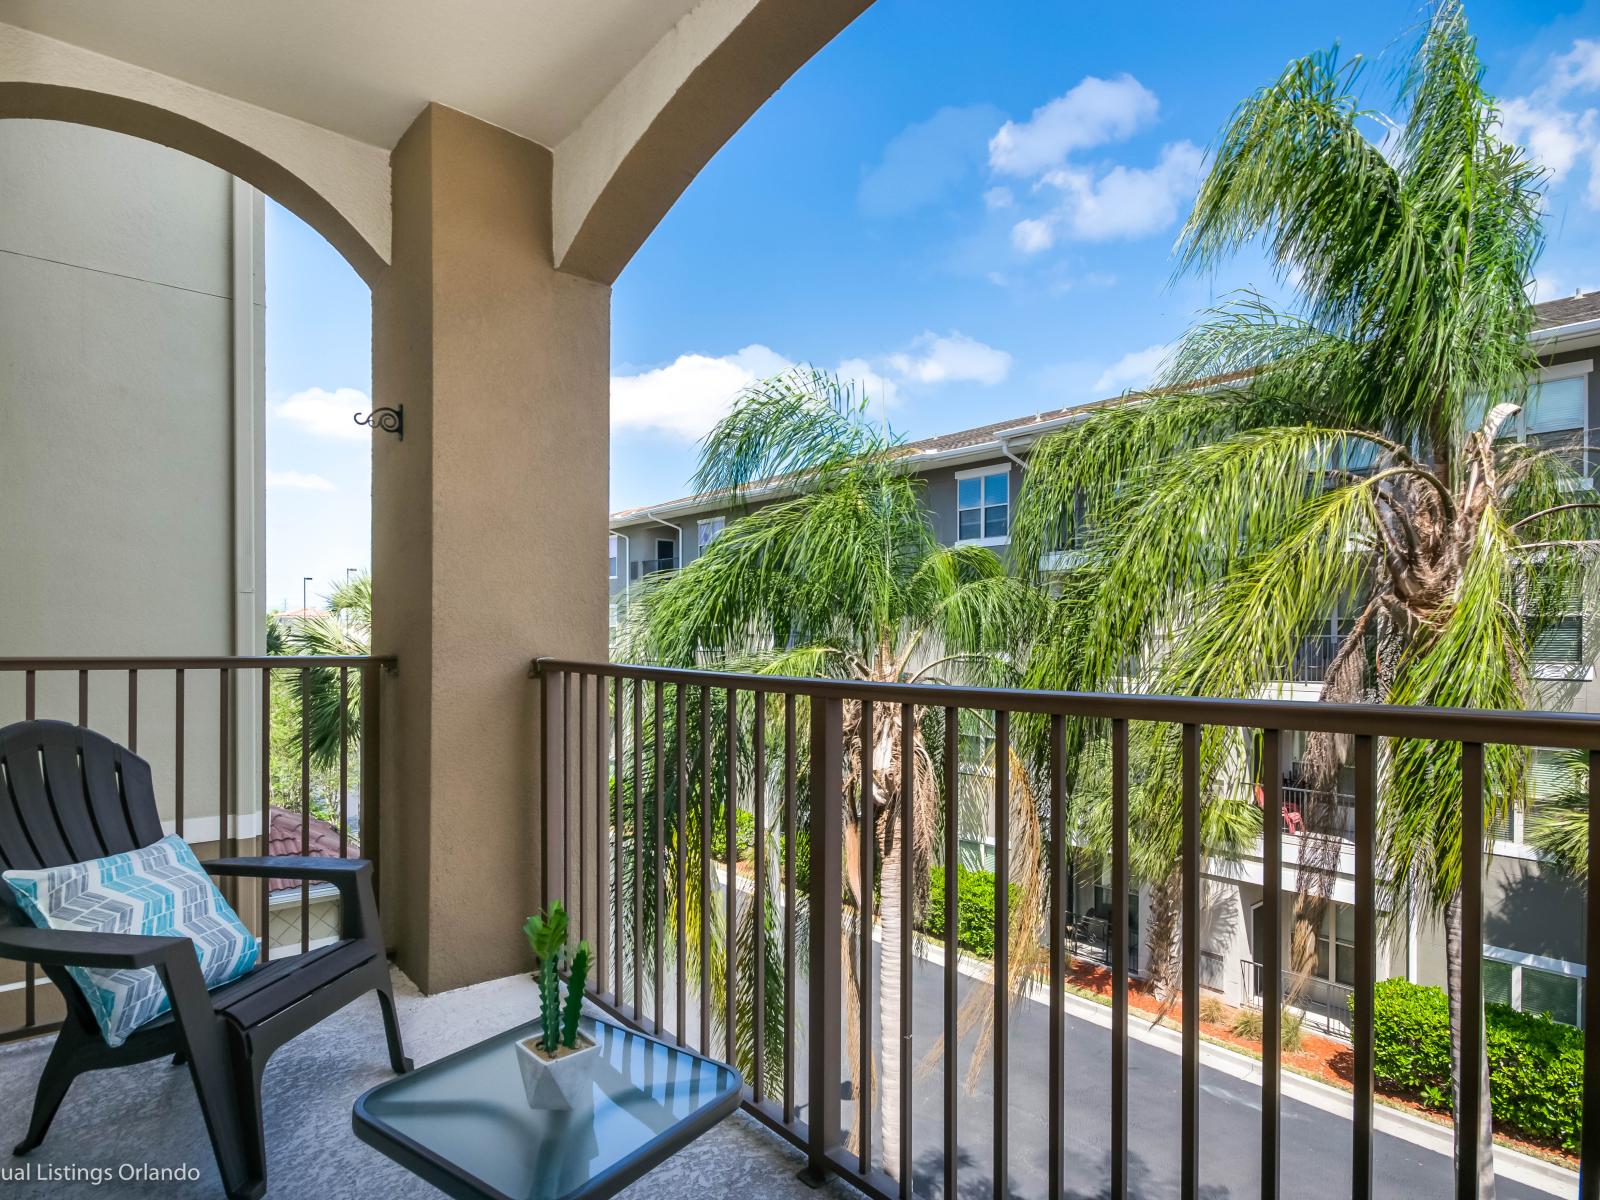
column 502, row 364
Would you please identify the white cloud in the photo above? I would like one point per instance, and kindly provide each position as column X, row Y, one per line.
column 1125, row 202
column 689, row 395
column 1133, row 370
column 1559, row 135
column 997, row 198
column 1553, row 135
column 871, row 383
column 328, row 414
column 1033, row 234
column 299, row 481
column 1094, row 112
column 1578, row 69
column 951, row 358
column 924, row 162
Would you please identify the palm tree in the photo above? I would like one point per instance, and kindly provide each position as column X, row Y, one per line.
column 345, row 629
column 1348, row 454
column 846, row 579
column 1558, row 824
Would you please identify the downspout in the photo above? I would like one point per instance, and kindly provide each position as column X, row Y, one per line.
column 678, row 529
column 1005, row 448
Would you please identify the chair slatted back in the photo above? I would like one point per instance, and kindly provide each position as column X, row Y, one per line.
column 68, row 794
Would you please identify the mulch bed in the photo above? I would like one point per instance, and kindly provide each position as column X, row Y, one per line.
column 1320, row 1057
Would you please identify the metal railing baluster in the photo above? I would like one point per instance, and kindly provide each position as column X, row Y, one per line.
column 866, row 836
column 908, row 915
column 758, row 901
column 265, row 896
column 1002, row 950
column 1272, row 956
column 658, row 920
column 305, row 805
column 705, row 870
column 1056, row 1105
column 1470, row 1113
column 952, row 945
column 227, row 841
column 681, row 861
column 1119, row 959
column 789, row 900
column 730, row 887
column 1589, row 1170
column 1189, row 1181
column 635, row 818
column 827, row 930
column 618, row 765
column 1366, row 906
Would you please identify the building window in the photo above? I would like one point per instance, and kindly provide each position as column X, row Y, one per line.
column 1556, row 415
column 613, row 546
column 1338, row 936
column 709, row 528
column 983, row 505
column 1531, row 983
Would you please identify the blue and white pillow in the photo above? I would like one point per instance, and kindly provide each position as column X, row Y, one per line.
column 159, row 891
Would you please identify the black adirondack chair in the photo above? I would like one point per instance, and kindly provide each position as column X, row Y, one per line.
column 68, row 794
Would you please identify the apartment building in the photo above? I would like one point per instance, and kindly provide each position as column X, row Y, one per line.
column 1533, row 929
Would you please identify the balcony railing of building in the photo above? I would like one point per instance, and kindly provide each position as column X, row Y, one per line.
column 641, row 764
column 1323, row 1001
column 1300, row 807
column 223, row 767
column 651, row 566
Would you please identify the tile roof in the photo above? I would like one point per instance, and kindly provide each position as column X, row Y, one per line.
column 1568, row 310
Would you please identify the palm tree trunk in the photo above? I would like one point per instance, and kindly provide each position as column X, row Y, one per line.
column 1454, row 948
column 890, row 881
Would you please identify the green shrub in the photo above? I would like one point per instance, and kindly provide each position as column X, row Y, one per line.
column 745, row 842
column 1248, row 1025
column 974, row 908
column 1535, row 1064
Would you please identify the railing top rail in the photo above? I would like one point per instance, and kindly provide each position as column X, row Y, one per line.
column 193, row 662
column 1576, row 731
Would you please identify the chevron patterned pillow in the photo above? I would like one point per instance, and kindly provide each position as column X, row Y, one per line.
column 160, row 890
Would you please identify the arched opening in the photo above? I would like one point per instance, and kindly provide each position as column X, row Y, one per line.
column 120, row 114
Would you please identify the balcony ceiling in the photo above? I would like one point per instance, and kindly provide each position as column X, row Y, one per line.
column 365, row 68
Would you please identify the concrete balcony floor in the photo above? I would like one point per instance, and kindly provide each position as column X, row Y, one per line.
column 148, row 1115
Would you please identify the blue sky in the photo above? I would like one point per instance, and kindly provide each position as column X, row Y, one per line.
column 968, row 208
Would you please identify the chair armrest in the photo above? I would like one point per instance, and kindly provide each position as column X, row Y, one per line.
column 358, row 916
column 83, row 948
column 340, row 871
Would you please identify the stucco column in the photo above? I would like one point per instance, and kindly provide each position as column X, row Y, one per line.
column 488, row 522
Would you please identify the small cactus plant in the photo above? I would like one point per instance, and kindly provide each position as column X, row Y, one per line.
column 547, row 936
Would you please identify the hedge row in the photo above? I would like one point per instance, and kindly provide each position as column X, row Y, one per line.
column 974, row 908
column 1535, row 1064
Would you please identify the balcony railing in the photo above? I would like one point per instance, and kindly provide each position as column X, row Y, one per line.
column 1322, row 1000
column 206, row 727
column 652, row 566
column 1300, row 810
column 641, row 765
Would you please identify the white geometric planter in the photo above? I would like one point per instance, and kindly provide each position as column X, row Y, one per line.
column 560, row 1083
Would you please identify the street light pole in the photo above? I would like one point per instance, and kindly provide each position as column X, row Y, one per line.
column 305, row 585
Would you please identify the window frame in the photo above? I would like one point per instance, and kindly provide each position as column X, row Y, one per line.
column 701, row 540
column 981, row 474
column 1518, row 960
column 612, row 538
column 1579, row 369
